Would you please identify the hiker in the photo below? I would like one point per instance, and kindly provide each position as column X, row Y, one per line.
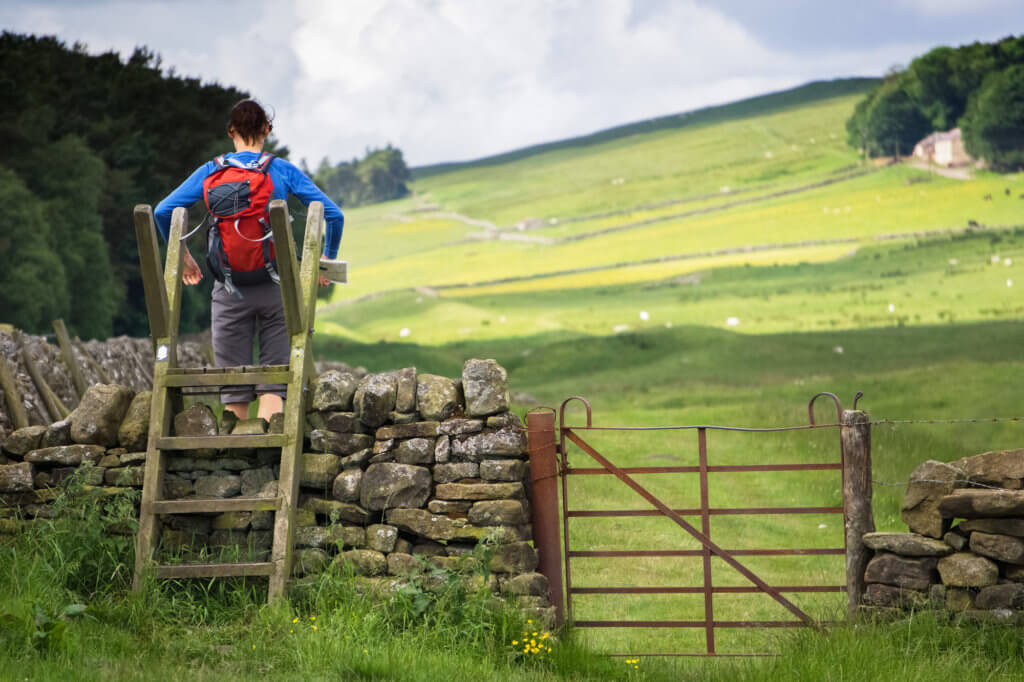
column 237, row 189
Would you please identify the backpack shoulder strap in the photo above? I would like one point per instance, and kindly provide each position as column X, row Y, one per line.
column 221, row 162
column 264, row 162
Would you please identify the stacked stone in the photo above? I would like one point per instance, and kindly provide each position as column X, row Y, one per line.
column 396, row 465
column 965, row 551
column 105, row 438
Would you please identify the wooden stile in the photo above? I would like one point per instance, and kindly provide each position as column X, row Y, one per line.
column 163, row 300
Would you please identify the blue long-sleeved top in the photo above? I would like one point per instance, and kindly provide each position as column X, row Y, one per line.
column 286, row 178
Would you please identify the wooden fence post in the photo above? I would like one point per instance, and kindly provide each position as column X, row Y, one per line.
column 855, row 436
column 15, row 408
column 544, row 503
column 68, row 353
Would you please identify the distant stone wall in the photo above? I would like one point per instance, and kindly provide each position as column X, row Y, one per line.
column 396, row 465
column 965, row 551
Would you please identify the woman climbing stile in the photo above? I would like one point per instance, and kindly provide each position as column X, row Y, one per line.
column 237, row 189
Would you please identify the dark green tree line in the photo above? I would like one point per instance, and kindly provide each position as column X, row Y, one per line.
column 83, row 138
column 381, row 175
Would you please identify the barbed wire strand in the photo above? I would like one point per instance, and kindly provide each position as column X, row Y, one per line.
column 950, row 420
column 964, row 484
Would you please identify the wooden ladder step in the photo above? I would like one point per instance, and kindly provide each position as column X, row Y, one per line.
column 227, row 376
column 214, row 570
column 214, row 504
column 270, row 440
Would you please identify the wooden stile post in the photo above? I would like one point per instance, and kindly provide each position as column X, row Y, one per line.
column 302, row 303
column 855, row 436
column 15, row 408
column 540, row 428
column 68, row 353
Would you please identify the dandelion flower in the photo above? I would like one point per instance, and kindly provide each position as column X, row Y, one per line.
column 253, row 647
column 529, row 622
column 314, row 628
column 295, row 619
column 312, row 617
column 365, row 651
column 515, row 642
column 292, row 631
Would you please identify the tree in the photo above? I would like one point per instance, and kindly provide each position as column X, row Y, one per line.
column 894, row 123
column 994, row 124
column 31, row 275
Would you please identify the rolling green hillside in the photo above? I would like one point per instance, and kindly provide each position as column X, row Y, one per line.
column 715, row 270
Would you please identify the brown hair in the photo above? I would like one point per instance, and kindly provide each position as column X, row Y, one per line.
column 249, row 121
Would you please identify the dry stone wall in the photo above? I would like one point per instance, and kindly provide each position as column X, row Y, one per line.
column 965, row 548
column 400, row 470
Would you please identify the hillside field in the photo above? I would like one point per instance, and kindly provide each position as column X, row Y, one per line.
column 715, row 273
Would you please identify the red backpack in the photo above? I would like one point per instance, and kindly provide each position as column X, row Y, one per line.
column 240, row 248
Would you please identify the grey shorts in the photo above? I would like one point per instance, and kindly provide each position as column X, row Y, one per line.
column 236, row 322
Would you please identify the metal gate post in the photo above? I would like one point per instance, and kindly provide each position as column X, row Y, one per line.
column 855, row 437
column 544, row 503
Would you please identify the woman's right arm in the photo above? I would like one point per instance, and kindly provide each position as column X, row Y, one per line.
column 187, row 193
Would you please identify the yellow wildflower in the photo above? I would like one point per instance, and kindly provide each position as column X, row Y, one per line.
column 515, row 642
column 254, row 647
column 295, row 619
column 314, row 628
column 365, row 651
column 312, row 617
column 529, row 622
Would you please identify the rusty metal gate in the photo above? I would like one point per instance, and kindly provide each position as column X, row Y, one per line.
column 855, row 452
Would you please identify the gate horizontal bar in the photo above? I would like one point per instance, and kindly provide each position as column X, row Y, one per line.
column 594, row 471
column 701, row 655
column 610, row 554
column 708, row 427
column 689, row 624
column 700, row 590
column 737, row 511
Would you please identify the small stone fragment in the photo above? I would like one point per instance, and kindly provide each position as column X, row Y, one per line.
column 1003, row 548
column 405, row 394
column 478, row 491
column 365, row 561
column 906, row 544
column 929, row 483
column 134, row 429
column 502, row 470
column 415, row 451
column 460, row 425
column 375, row 399
column 412, row 430
column 347, row 484
column 437, row 398
column 223, row 485
column 59, row 433
column 334, row 390
column 381, row 537
column 455, row 471
column 971, row 503
column 498, row 513
column 319, row 470
column 23, row 440
column 485, row 384
column 1005, row 596
column 892, row 569
column 16, row 478
column 964, row 569
column 98, row 416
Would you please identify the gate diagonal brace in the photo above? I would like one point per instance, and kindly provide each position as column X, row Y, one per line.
column 703, row 539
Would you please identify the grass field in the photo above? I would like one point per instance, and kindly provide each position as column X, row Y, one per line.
column 718, row 268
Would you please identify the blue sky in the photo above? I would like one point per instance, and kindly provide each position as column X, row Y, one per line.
column 457, row 79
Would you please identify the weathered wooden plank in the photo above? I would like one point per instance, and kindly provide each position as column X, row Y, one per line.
column 287, row 265
column 166, row 347
column 214, row 570
column 68, row 354
column 54, row 406
column 15, row 408
column 855, row 437
column 210, row 505
column 239, row 379
column 270, row 440
column 301, row 366
column 152, row 272
column 174, row 268
column 224, row 370
column 153, row 476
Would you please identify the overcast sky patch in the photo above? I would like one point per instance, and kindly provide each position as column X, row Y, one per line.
column 454, row 79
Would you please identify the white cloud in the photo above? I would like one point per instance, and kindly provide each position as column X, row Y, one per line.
column 455, row 79
column 950, row 8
